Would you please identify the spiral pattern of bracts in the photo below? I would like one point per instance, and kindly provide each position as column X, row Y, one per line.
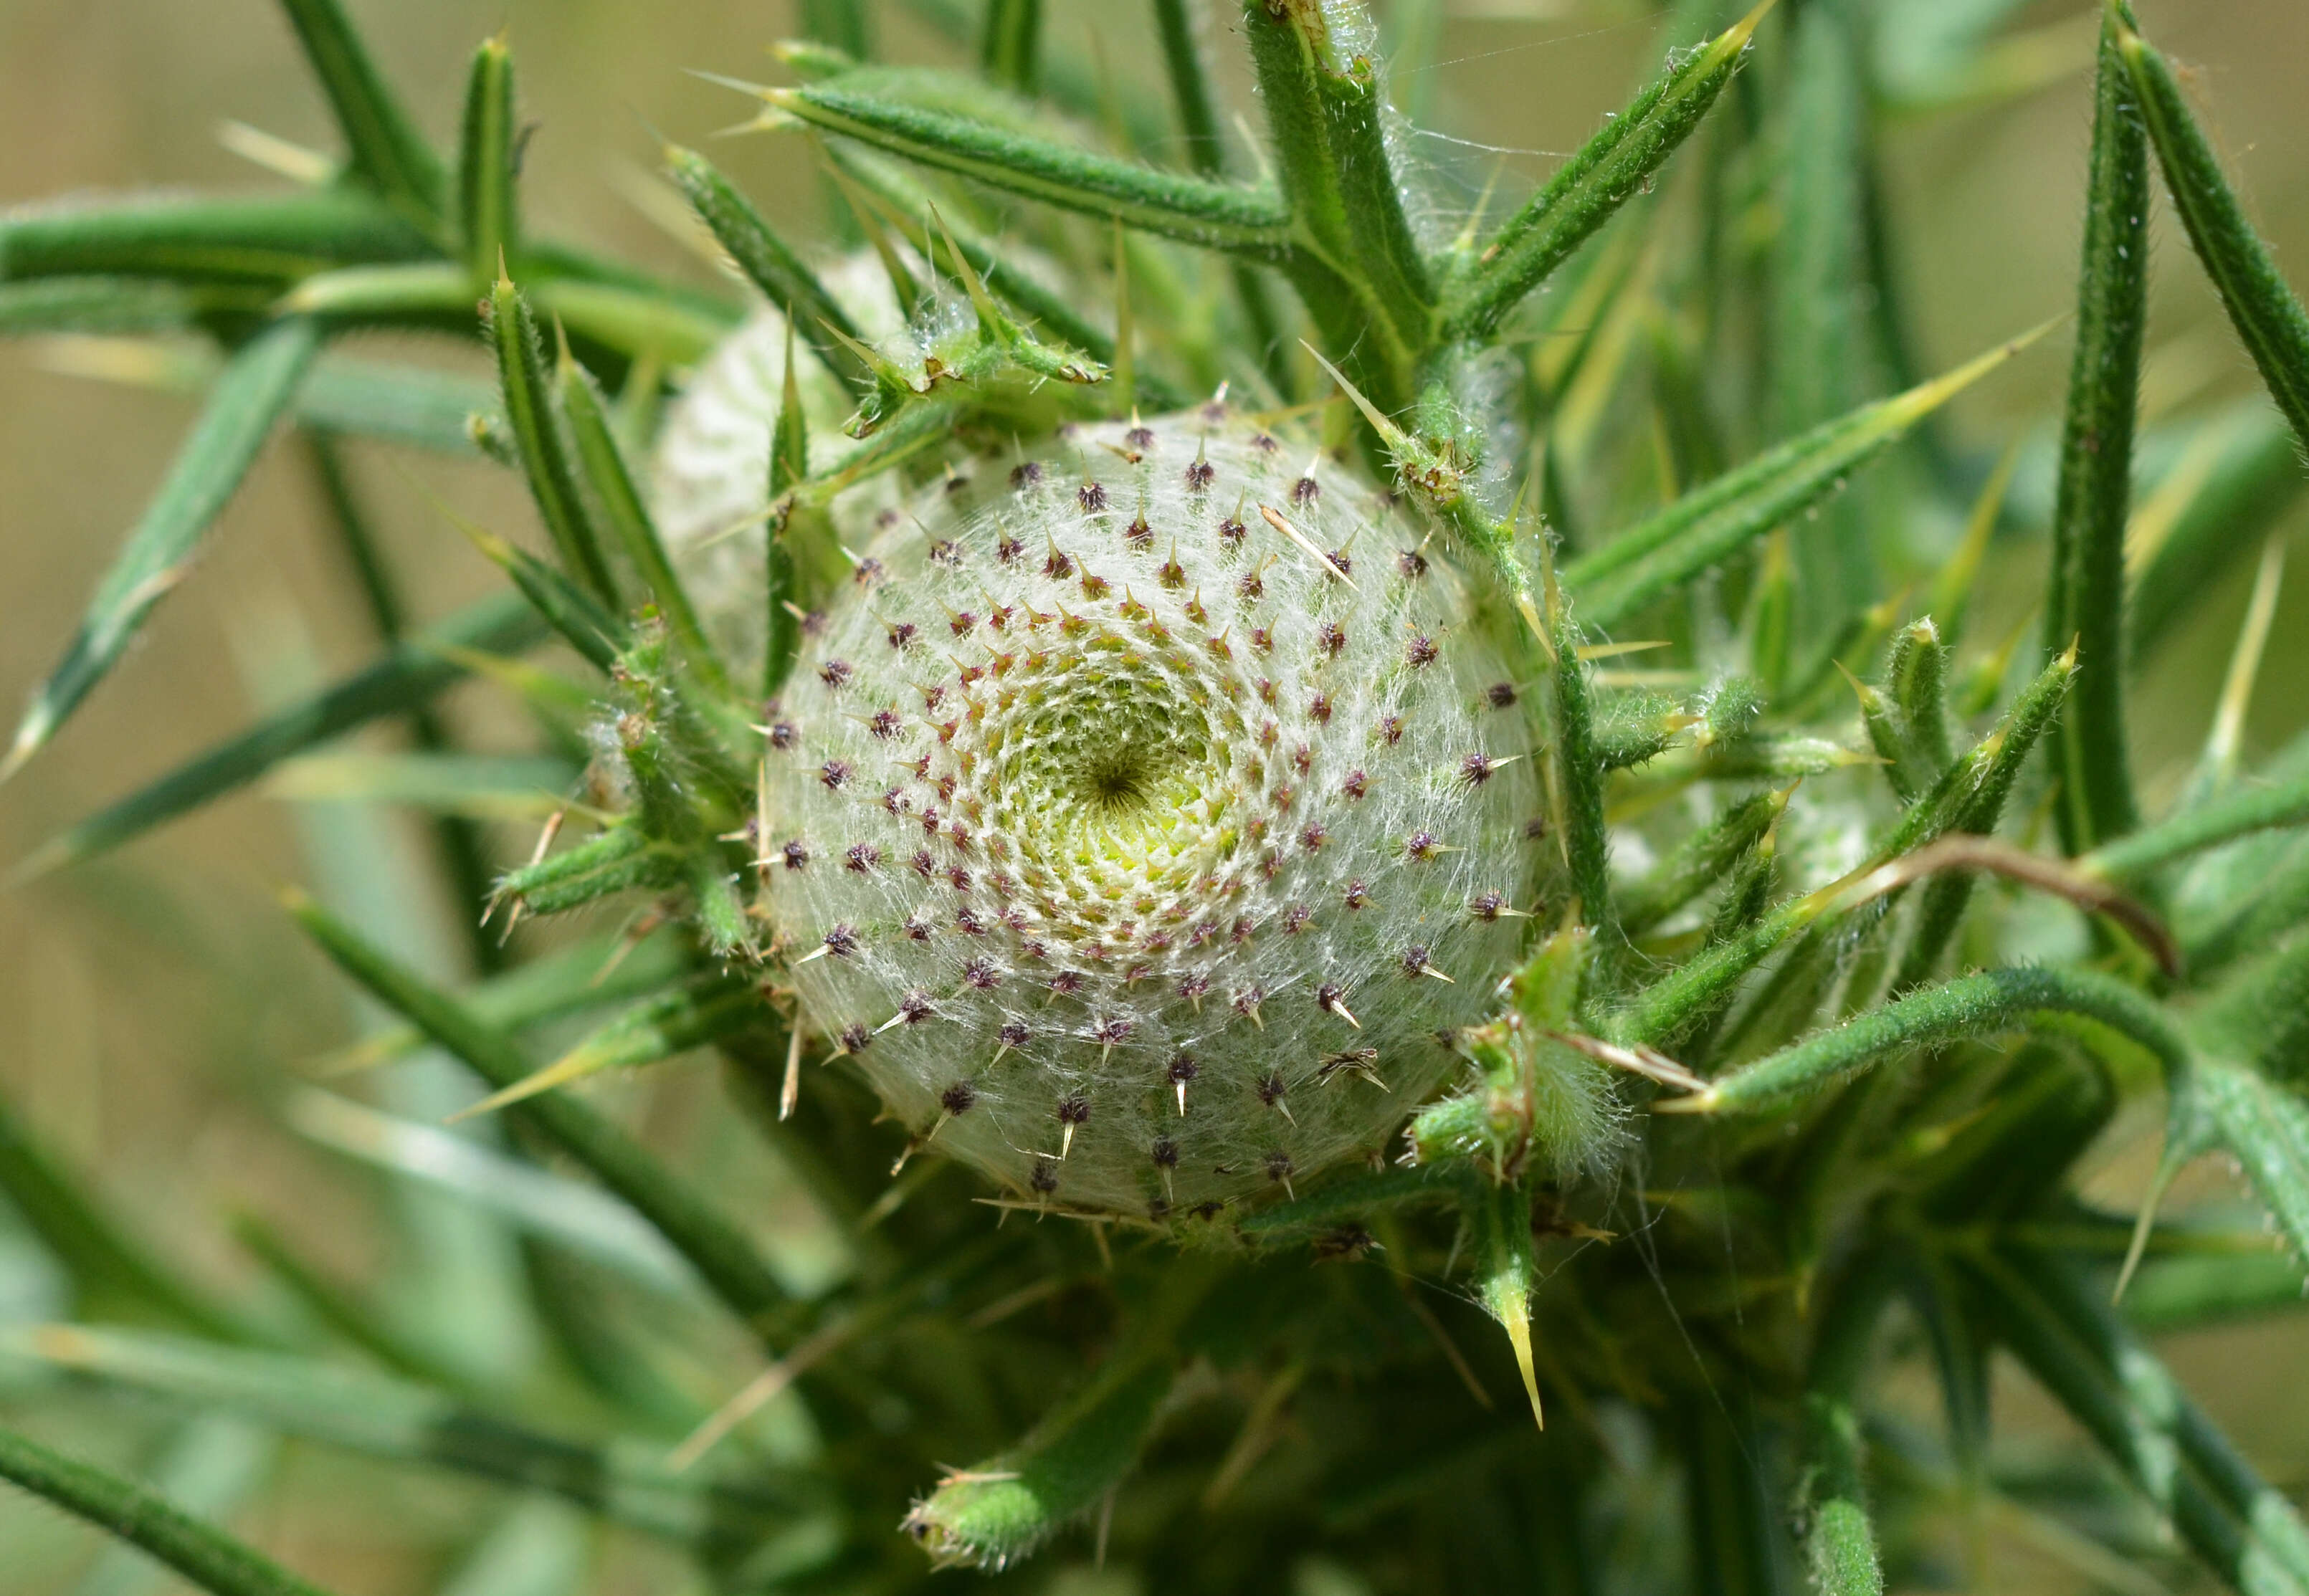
column 1135, row 816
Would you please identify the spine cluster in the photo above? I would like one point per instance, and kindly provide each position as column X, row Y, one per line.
column 1144, row 817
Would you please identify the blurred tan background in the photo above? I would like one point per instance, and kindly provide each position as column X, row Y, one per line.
column 140, row 998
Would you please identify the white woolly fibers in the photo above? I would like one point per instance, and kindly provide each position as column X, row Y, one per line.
column 1096, row 784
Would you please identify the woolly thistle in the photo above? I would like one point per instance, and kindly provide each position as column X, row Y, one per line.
column 1130, row 812
column 1233, row 824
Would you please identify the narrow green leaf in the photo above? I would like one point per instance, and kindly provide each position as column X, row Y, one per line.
column 2130, row 1402
column 781, row 589
column 907, row 206
column 1351, row 1196
column 1010, row 45
column 2085, row 604
column 1092, row 90
column 357, row 537
column 1702, row 985
column 464, row 851
column 477, row 786
column 385, row 150
column 639, row 322
column 1177, row 21
column 1917, row 674
column 98, row 1255
column 593, row 973
column 1840, row 1542
column 841, row 23
column 1506, row 1274
column 999, row 1510
column 1590, row 187
column 419, row 406
column 2265, row 1127
column 2253, row 481
column 1699, row 861
column 415, row 291
column 336, row 1306
column 1246, row 220
column 621, row 502
column 409, row 677
column 618, row 860
column 1983, row 1005
column 486, row 210
column 530, row 412
column 624, row 1480
column 272, row 240
column 667, row 1025
column 1325, row 115
column 247, row 399
column 208, row 1468
column 1946, row 897
column 2186, row 1292
column 108, row 305
column 721, row 1253
column 1705, row 526
column 584, row 1220
column 203, row 1554
column 2238, row 814
column 1818, row 362
column 2268, row 316
column 782, row 277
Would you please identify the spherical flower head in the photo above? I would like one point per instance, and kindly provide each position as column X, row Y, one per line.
column 1181, row 812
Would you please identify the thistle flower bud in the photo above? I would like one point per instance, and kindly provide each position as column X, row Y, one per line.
column 1163, row 781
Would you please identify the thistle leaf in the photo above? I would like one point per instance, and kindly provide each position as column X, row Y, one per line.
column 2222, row 820
column 1983, row 1005
column 250, row 396
column 1243, row 220
column 395, row 403
column 410, row 290
column 385, row 151
column 477, row 786
column 1819, row 363
column 583, row 1219
column 2085, row 604
column 1325, row 115
column 841, row 23
column 589, row 974
column 768, row 263
column 1590, row 187
column 2265, row 1126
column 531, row 414
column 584, row 625
column 2165, row 1447
column 487, row 211
column 403, row 1422
column 1010, row 45
column 669, row 1023
column 2267, row 315
column 1839, row 1543
column 724, row 1259
column 202, row 1553
column 271, row 241
column 407, row 679
column 93, row 1247
column 998, row 1510
column 1707, row 525
column 2255, row 477
column 105, row 304
column 613, row 490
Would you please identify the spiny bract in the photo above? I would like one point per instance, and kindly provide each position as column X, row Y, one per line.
column 1137, row 811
